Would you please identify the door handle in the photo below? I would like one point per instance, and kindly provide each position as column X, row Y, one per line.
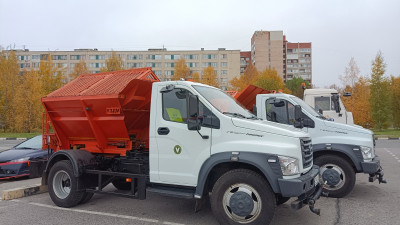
column 163, row 130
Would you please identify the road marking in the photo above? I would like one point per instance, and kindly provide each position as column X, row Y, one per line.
column 8, row 206
column 103, row 214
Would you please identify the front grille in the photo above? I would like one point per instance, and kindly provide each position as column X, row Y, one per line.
column 306, row 152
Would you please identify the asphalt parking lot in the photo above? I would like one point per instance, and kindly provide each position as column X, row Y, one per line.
column 369, row 203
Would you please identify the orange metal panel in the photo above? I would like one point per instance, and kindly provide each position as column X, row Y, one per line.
column 247, row 97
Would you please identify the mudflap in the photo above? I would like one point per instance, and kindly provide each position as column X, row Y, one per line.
column 377, row 175
column 308, row 200
column 37, row 167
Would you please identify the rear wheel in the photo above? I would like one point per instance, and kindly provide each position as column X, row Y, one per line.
column 242, row 197
column 338, row 174
column 63, row 185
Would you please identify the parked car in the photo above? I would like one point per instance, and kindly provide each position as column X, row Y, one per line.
column 15, row 161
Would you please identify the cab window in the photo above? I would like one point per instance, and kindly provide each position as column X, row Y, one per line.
column 323, row 103
column 280, row 111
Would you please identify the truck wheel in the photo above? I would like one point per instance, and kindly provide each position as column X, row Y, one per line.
column 242, row 197
column 86, row 197
column 63, row 185
column 338, row 174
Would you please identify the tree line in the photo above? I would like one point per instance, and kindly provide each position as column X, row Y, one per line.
column 375, row 101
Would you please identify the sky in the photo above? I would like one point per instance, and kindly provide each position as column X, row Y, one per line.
column 338, row 30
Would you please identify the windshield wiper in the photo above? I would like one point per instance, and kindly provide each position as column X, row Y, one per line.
column 235, row 114
column 322, row 117
column 24, row 148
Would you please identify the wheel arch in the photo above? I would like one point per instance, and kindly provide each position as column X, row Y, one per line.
column 339, row 153
column 220, row 163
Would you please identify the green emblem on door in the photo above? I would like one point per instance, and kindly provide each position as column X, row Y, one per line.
column 177, row 149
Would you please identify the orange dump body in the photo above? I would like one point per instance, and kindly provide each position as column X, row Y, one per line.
column 106, row 113
column 247, row 97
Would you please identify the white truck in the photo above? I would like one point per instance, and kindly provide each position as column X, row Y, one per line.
column 340, row 150
column 328, row 103
column 177, row 138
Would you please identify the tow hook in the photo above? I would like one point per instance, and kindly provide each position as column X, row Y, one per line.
column 379, row 174
column 311, row 201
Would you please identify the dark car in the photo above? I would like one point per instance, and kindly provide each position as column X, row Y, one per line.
column 15, row 162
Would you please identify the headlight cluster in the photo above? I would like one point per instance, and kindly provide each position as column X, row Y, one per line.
column 289, row 166
column 20, row 160
column 367, row 152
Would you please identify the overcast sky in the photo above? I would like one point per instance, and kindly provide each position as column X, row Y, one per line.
column 337, row 29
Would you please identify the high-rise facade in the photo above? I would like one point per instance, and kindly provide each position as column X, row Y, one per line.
column 226, row 63
column 271, row 50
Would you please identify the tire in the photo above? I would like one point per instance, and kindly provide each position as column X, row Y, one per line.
column 242, row 196
column 86, row 197
column 63, row 185
column 281, row 200
column 121, row 184
column 338, row 174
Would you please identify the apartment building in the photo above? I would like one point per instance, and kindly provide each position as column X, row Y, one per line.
column 271, row 50
column 298, row 61
column 225, row 62
column 245, row 59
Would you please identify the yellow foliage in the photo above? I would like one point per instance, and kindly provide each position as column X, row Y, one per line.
column 114, row 63
column 209, row 77
column 395, row 90
column 51, row 77
column 79, row 69
column 270, row 80
column 238, row 84
column 196, row 77
column 28, row 113
column 181, row 70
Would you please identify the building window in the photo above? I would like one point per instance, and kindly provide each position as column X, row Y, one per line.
column 224, row 56
column 158, row 73
column 97, row 57
column 24, row 65
column 36, row 64
column 154, row 57
column 23, row 57
column 210, row 56
column 35, row 57
column 224, row 72
column 59, row 57
column 172, row 57
column 224, row 64
column 192, row 64
column 134, row 57
column 170, row 65
column 170, row 72
column 191, row 57
column 224, row 80
column 77, row 57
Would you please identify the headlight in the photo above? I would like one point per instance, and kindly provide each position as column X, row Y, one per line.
column 289, row 166
column 20, row 160
column 366, row 152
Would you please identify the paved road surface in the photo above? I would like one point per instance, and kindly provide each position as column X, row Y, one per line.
column 369, row 204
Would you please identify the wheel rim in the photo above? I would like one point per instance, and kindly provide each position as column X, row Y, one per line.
column 333, row 175
column 242, row 203
column 62, row 184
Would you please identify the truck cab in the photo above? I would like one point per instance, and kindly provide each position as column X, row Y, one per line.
column 176, row 138
column 341, row 150
column 328, row 102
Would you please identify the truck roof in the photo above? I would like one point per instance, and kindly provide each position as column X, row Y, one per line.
column 320, row 91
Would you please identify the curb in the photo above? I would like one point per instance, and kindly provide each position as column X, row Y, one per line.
column 23, row 191
column 387, row 138
column 9, row 139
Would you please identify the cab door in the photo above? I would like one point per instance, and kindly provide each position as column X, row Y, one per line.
column 181, row 152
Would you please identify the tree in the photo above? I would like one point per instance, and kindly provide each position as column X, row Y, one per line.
column 181, row 70
column 51, row 76
column 361, row 109
column 28, row 113
column 270, row 80
column 380, row 94
column 196, row 77
column 114, row 63
column 238, row 84
column 79, row 69
column 295, row 86
column 9, row 80
column 351, row 74
column 395, row 90
column 209, row 77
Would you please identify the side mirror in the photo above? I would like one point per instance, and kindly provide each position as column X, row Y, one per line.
column 309, row 123
column 298, row 123
column 335, row 100
column 279, row 104
column 193, row 112
column 347, row 94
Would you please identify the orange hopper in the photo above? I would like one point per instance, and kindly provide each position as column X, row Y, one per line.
column 247, row 97
column 105, row 113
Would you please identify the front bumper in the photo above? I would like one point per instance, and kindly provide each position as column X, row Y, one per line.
column 374, row 170
column 14, row 169
column 307, row 188
column 299, row 186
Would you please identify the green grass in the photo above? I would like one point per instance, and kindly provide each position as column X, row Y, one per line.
column 18, row 135
column 392, row 133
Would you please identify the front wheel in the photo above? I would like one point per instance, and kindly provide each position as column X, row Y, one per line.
column 242, row 197
column 338, row 175
column 63, row 185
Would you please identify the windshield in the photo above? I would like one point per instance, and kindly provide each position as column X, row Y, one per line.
column 307, row 108
column 223, row 102
column 33, row 143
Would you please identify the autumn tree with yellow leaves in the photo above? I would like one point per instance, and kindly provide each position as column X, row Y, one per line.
column 270, row 80
column 361, row 107
column 51, row 76
column 395, row 91
column 196, row 77
column 248, row 77
column 181, row 70
column 209, row 77
column 79, row 69
column 114, row 63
